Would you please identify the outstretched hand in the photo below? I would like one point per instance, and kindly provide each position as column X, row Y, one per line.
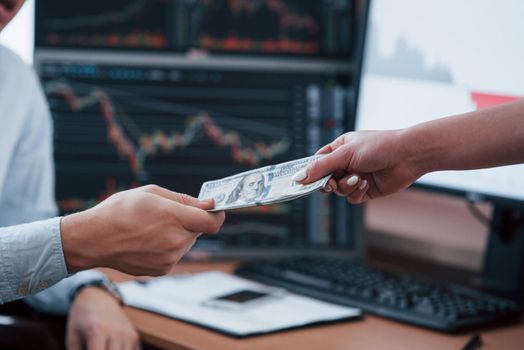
column 143, row 231
column 364, row 164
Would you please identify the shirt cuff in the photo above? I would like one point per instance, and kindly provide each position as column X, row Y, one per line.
column 57, row 299
column 32, row 258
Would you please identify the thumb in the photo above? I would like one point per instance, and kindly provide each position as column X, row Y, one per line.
column 332, row 162
column 204, row 204
column 181, row 198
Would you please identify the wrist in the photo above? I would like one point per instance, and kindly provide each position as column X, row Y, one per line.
column 420, row 150
column 75, row 243
column 96, row 289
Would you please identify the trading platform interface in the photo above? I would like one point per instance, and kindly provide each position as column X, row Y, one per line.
column 132, row 105
column 270, row 27
column 118, row 127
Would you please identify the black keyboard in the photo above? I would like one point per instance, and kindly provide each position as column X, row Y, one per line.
column 448, row 308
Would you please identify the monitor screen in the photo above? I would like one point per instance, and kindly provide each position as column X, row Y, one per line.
column 305, row 28
column 429, row 59
column 131, row 108
column 121, row 126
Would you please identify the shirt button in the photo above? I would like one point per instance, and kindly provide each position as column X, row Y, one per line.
column 22, row 291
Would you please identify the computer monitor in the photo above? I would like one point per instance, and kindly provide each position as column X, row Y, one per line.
column 429, row 59
column 180, row 92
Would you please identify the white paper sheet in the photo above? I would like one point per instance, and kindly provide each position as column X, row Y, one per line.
column 183, row 296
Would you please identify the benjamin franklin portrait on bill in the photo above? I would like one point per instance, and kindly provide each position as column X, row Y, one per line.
column 248, row 190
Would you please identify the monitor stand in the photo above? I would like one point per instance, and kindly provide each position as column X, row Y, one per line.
column 503, row 267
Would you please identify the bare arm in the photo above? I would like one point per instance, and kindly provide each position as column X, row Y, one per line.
column 370, row 164
column 481, row 139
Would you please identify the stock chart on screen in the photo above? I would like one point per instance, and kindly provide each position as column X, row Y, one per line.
column 311, row 28
column 119, row 127
column 139, row 24
column 134, row 103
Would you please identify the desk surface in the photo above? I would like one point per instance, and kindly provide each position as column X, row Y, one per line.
column 368, row 333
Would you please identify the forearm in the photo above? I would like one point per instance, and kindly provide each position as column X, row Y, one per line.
column 482, row 139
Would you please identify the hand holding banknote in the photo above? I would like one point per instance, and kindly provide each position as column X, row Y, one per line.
column 268, row 185
column 365, row 165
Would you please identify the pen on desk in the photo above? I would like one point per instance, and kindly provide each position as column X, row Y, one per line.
column 474, row 343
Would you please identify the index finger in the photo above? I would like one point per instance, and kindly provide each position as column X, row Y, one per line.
column 180, row 197
column 332, row 146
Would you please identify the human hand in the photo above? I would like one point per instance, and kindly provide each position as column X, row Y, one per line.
column 97, row 322
column 365, row 165
column 143, row 231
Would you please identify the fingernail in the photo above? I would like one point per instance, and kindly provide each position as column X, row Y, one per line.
column 352, row 181
column 301, row 175
column 363, row 185
column 328, row 188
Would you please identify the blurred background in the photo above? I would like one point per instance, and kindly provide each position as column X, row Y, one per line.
column 163, row 92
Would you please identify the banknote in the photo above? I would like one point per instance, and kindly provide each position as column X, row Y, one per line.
column 263, row 186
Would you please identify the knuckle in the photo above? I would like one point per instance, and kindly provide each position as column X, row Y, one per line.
column 315, row 168
column 166, row 214
column 185, row 198
column 151, row 188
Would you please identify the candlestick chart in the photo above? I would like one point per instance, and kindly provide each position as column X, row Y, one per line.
column 115, row 24
column 270, row 26
column 145, row 144
column 308, row 28
column 119, row 127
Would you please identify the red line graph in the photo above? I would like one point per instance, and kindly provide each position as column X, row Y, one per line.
column 150, row 144
column 288, row 21
column 134, row 39
column 292, row 20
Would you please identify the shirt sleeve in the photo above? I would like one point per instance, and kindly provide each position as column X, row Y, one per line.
column 30, row 194
column 57, row 299
column 32, row 258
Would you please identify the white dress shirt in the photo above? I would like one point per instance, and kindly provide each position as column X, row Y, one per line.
column 31, row 255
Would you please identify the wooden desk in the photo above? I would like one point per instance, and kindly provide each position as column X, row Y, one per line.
column 369, row 333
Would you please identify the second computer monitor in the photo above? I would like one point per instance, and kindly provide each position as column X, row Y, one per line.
column 429, row 59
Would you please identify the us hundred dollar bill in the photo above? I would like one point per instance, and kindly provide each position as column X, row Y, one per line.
column 263, row 186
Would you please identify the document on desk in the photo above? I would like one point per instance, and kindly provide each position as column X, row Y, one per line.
column 184, row 297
